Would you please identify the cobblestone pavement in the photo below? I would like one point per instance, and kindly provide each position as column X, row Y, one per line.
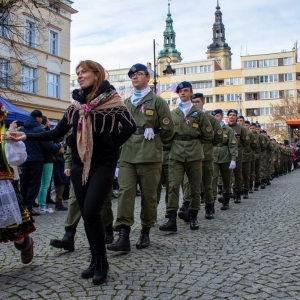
column 249, row 252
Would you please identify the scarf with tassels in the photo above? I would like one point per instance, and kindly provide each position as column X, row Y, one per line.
column 108, row 103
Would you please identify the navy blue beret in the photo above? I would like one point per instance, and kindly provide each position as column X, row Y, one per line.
column 183, row 84
column 257, row 125
column 198, row 95
column 217, row 111
column 136, row 68
column 253, row 124
column 247, row 122
column 241, row 117
column 232, row 111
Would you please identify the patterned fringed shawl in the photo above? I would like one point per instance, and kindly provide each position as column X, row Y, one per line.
column 107, row 104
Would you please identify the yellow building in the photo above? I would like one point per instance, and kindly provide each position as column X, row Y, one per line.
column 35, row 62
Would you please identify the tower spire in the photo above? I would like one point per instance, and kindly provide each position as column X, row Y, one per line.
column 218, row 6
column 169, row 40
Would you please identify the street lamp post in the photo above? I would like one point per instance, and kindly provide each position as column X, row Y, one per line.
column 168, row 71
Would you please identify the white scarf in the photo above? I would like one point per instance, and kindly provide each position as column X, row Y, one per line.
column 139, row 95
column 185, row 107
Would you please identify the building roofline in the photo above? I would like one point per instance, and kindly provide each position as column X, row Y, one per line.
column 291, row 51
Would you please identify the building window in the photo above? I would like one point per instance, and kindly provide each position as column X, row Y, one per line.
column 52, row 85
column 219, row 82
column 205, row 69
column 287, row 61
column 29, row 79
column 234, row 97
column 164, row 87
column 288, row 77
column 123, row 77
column 251, row 80
column 113, row 78
column 192, row 70
column 289, row 93
column 5, row 75
column 265, row 111
column 4, row 24
column 268, row 78
column 268, row 63
column 233, row 81
column 269, row 95
column 30, row 33
column 53, row 8
column 253, row 112
column 208, row 99
column 53, row 42
column 251, row 96
column 73, row 83
column 179, row 71
column 250, row 64
column 201, row 84
column 220, row 98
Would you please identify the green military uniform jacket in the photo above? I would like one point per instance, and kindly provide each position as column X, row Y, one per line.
column 249, row 150
column 243, row 139
column 191, row 132
column 218, row 138
column 227, row 150
column 151, row 112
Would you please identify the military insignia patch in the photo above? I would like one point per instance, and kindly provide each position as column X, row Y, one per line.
column 149, row 112
column 219, row 131
column 194, row 114
column 133, row 69
column 233, row 142
column 225, row 135
column 247, row 137
column 180, row 85
column 166, row 121
column 208, row 128
column 195, row 125
column 255, row 141
column 148, row 101
column 263, row 142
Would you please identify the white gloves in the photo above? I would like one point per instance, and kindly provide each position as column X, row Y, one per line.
column 149, row 134
column 232, row 165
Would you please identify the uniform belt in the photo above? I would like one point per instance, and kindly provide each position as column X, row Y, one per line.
column 140, row 131
column 184, row 137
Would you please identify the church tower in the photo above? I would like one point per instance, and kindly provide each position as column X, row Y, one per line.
column 219, row 49
column 169, row 46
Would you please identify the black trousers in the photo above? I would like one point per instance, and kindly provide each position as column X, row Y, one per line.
column 31, row 181
column 91, row 197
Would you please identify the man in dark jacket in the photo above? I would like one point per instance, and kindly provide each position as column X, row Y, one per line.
column 33, row 167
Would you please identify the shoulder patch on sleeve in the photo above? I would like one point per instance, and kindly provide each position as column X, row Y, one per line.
column 166, row 121
column 233, row 142
column 219, row 131
column 247, row 137
column 208, row 128
column 255, row 141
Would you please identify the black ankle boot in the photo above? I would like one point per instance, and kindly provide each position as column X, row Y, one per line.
column 67, row 242
column 237, row 198
column 89, row 272
column 225, row 205
column 100, row 269
column 183, row 213
column 26, row 249
column 109, row 234
column 144, row 240
column 251, row 188
column 220, row 189
column 246, row 196
column 194, row 225
column 123, row 242
column 257, row 184
column 209, row 211
column 171, row 225
column 263, row 184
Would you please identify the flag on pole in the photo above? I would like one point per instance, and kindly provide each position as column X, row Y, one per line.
column 173, row 87
column 157, row 92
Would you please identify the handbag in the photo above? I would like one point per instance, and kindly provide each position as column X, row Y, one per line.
column 10, row 212
column 15, row 153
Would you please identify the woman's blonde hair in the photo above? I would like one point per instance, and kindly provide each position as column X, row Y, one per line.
column 100, row 72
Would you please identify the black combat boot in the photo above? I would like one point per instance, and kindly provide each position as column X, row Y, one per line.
column 237, row 198
column 194, row 225
column 225, row 205
column 201, row 198
column 246, row 196
column 67, row 242
column 209, row 211
column 220, row 189
column 89, row 272
column 263, row 184
column 183, row 213
column 257, row 184
column 251, row 188
column 268, row 181
column 171, row 225
column 109, row 234
column 123, row 242
column 144, row 240
column 100, row 269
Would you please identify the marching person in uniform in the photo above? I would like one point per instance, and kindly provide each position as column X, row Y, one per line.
column 225, row 154
column 141, row 159
column 192, row 129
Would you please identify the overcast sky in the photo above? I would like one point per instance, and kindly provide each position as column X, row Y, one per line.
column 119, row 33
